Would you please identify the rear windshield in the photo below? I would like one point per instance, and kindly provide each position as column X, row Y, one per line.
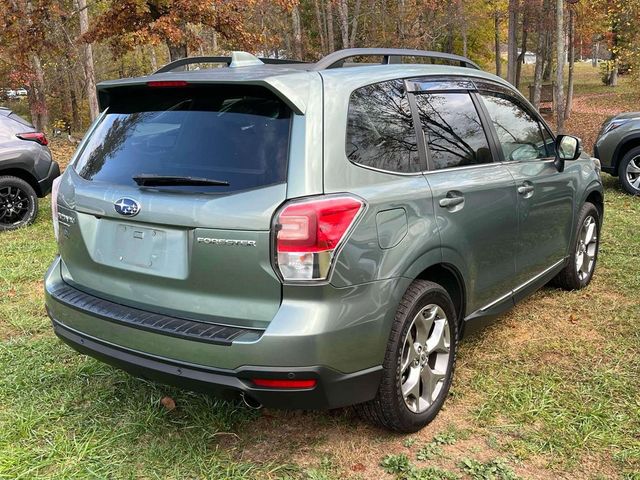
column 224, row 133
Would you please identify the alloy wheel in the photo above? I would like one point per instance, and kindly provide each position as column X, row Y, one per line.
column 425, row 358
column 587, row 247
column 633, row 172
column 14, row 205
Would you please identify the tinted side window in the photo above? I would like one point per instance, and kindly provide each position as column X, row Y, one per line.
column 380, row 130
column 520, row 135
column 453, row 130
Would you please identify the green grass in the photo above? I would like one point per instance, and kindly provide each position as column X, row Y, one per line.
column 552, row 388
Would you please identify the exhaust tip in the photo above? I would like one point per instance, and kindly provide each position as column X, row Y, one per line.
column 250, row 402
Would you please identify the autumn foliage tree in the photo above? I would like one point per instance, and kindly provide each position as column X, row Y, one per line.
column 130, row 23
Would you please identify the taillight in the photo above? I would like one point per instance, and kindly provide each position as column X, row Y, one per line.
column 55, row 188
column 167, row 83
column 309, row 232
column 37, row 137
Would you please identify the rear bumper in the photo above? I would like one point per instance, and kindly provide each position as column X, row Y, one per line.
column 333, row 389
column 335, row 336
column 46, row 183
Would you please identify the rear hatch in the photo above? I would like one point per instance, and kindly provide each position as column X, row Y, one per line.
column 173, row 194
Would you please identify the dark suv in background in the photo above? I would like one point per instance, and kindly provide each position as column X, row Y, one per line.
column 26, row 170
column 618, row 148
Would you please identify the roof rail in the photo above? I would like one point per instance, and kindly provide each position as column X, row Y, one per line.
column 390, row 55
column 182, row 62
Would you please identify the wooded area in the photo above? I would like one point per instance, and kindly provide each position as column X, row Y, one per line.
column 59, row 49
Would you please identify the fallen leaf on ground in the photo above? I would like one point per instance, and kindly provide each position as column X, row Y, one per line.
column 168, row 403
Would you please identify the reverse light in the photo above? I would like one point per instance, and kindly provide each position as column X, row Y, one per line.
column 283, row 383
column 55, row 188
column 37, row 137
column 167, row 83
column 309, row 232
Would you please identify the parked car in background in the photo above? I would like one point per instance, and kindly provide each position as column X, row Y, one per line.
column 618, row 148
column 26, row 170
column 311, row 236
column 21, row 92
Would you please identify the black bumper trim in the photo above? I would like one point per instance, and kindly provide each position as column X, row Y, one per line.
column 334, row 389
column 45, row 184
column 152, row 322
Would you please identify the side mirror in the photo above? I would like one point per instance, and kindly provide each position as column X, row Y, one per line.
column 567, row 148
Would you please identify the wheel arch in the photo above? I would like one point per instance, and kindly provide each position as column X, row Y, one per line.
column 596, row 197
column 627, row 144
column 23, row 175
column 449, row 278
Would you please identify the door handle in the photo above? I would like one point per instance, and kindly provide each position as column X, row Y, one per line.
column 525, row 189
column 449, row 202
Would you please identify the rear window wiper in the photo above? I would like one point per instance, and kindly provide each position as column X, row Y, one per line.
column 145, row 180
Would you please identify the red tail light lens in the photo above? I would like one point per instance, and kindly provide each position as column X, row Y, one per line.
column 38, row 137
column 167, row 83
column 309, row 232
column 283, row 383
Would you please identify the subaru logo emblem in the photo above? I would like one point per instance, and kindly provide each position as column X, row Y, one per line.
column 127, row 207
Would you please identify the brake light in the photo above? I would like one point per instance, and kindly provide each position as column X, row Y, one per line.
column 55, row 188
column 167, row 83
column 309, row 232
column 283, row 383
column 37, row 137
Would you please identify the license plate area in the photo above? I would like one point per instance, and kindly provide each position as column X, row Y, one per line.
column 150, row 250
column 140, row 246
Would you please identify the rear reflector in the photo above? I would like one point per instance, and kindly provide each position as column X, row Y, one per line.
column 167, row 83
column 37, row 137
column 284, row 383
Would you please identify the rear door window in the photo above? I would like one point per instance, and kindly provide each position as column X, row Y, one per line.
column 225, row 133
column 453, row 130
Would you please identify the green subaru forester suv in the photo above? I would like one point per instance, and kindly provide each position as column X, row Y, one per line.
column 314, row 235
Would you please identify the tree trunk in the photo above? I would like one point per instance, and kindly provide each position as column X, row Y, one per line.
column 496, row 23
column 512, row 41
column 331, row 39
column 87, row 60
column 297, row 32
column 560, row 55
column 343, row 12
column 153, row 58
column 572, row 55
column 523, row 50
column 354, row 24
column 613, row 76
column 321, row 27
column 176, row 52
column 402, row 17
column 37, row 98
column 537, row 76
column 464, row 39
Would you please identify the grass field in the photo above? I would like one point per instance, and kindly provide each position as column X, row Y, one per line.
column 552, row 390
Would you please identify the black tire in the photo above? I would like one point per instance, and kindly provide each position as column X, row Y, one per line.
column 18, row 203
column 632, row 155
column 570, row 278
column 388, row 409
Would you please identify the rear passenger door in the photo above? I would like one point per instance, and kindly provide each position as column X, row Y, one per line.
column 545, row 196
column 474, row 198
